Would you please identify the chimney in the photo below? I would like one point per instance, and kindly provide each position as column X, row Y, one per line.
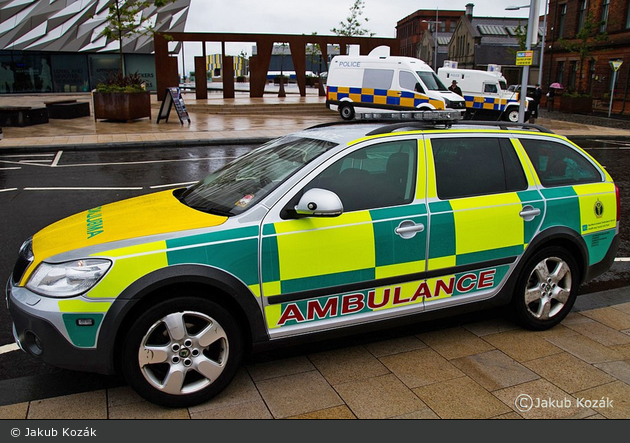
column 469, row 9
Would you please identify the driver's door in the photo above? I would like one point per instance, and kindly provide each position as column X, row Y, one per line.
column 323, row 271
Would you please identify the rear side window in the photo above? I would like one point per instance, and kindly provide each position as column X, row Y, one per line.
column 466, row 167
column 560, row 165
column 378, row 78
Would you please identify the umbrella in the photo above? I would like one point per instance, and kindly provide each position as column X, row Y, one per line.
column 556, row 86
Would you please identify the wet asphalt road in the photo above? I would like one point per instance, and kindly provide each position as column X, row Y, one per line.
column 34, row 192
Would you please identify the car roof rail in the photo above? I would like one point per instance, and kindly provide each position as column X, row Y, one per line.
column 416, row 125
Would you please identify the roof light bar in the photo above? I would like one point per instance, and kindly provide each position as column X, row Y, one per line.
column 428, row 116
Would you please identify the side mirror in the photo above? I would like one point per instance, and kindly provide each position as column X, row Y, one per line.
column 319, row 203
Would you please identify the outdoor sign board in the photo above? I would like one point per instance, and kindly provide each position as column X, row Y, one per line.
column 173, row 97
column 524, row 58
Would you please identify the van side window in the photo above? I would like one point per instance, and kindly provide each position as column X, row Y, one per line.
column 558, row 165
column 378, row 78
column 374, row 177
column 490, row 88
column 407, row 80
column 466, row 167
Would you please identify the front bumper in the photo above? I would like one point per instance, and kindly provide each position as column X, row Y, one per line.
column 42, row 331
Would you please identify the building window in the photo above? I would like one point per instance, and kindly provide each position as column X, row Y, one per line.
column 628, row 16
column 453, row 23
column 572, row 75
column 442, row 26
column 561, row 19
column 581, row 14
column 560, row 72
column 591, row 74
column 605, row 8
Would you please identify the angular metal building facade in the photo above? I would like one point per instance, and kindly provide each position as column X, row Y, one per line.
column 36, row 35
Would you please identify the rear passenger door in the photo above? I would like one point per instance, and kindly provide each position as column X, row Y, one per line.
column 484, row 209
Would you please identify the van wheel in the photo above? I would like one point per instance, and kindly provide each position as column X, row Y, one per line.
column 546, row 289
column 182, row 352
column 346, row 111
column 512, row 116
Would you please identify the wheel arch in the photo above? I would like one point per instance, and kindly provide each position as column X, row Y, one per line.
column 159, row 285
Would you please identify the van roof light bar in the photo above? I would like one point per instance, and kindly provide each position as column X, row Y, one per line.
column 438, row 116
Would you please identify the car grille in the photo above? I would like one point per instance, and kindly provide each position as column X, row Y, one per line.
column 25, row 258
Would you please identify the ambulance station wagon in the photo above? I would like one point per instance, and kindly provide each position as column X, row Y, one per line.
column 335, row 229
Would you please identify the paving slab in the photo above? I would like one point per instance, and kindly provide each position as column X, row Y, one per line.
column 461, row 398
column 494, row 370
column 568, row 372
column 336, row 413
column 395, row 346
column 522, row 345
column 16, row 411
column 147, row 411
column 617, row 392
column 379, row 397
column 253, row 410
column 610, row 316
column 455, row 342
column 86, row 405
column 421, row 367
column 347, row 364
column 587, row 349
column 279, row 368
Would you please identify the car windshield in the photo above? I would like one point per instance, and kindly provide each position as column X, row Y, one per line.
column 248, row 179
column 431, row 81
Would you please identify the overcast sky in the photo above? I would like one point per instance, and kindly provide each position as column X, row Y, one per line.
column 306, row 17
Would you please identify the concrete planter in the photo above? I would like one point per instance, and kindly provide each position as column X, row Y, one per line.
column 576, row 105
column 121, row 106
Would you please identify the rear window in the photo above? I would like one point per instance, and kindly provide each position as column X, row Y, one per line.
column 560, row 165
column 466, row 167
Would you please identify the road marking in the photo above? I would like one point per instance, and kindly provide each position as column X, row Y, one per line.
column 10, row 169
column 34, row 161
column 8, row 189
column 56, row 160
column 9, row 348
column 622, row 259
column 88, row 188
column 171, row 185
column 612, row 142
column 26, row 155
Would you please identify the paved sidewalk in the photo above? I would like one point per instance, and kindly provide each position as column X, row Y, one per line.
column 241, row 119
column 461, row 370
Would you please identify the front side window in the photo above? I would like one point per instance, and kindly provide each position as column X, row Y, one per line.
column 559, row 165
column 377, row 176
column 407, row 80
column 431, row 81
column 490, row 88
column 467, row 167
column 247, row 180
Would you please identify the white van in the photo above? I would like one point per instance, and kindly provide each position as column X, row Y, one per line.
column 378, row 81
column 486, row 93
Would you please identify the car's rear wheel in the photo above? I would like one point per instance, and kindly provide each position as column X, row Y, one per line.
column 546, row 289
column 346, row 111
column 182, row 352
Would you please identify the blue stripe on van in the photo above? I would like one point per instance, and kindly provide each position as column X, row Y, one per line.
column 393, row 100
column 355, row 90
column 380, row 92
column 367, row 98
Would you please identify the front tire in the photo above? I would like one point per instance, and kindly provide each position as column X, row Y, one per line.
column 546, row 289
column 346, row 111
column 182, row 352
column 512, row 116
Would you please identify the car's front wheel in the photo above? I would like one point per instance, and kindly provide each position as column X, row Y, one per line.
column 182, row 351
column 512, row 115
column 546, row 289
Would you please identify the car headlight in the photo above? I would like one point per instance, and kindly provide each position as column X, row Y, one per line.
column 67, row 279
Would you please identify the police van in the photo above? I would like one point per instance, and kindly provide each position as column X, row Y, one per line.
column 486, row 92
column 378, row 81
column 336, row 229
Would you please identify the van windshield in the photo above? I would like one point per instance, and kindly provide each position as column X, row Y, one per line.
column 503, row 85
column 431, row 81
column 240, row 184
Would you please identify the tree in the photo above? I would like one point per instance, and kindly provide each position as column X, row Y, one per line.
column 127, row 19
column 585, row 41
column 353, row 26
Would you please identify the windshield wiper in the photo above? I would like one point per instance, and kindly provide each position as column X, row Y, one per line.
column 211, row 210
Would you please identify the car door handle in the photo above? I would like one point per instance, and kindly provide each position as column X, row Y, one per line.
column 529, row 213
column 408, row 229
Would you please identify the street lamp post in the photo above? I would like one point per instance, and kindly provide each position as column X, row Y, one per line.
column 435, row 42
column 532, row 30
column 544, row 36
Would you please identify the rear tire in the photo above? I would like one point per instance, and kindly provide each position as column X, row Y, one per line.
column 546, row 289
column 182, row 352
column 346, row 111
column 512, row 116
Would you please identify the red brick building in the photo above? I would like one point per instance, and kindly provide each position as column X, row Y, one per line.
column 592, row 75
column 410, row 29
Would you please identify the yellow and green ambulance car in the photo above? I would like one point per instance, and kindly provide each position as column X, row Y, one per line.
column 334, row 229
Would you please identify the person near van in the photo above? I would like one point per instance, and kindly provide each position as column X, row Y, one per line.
column 454, row 88
column 550, row 98
column 537, row 96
